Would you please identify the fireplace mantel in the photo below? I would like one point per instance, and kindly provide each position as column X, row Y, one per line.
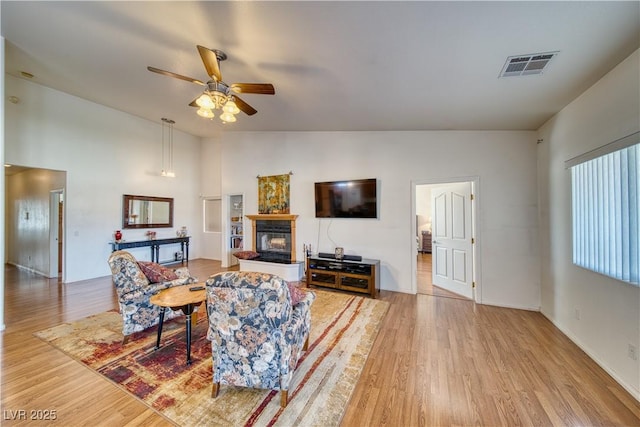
column 255, row 219
column 272, row 217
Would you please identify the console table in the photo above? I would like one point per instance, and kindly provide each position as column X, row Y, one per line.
column 356, row 276
column 155, row 244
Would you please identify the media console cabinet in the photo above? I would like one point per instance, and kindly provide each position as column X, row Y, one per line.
column 356, row 276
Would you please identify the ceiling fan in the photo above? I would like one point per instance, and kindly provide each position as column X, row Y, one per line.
column 218, row 94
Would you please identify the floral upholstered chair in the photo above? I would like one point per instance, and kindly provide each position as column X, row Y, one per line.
column 134, row 290
column 257, row 330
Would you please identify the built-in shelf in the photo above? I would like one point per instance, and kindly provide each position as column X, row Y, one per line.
column 235, row 239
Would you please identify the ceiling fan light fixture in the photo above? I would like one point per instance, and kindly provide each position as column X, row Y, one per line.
column 205, row 101
column 207, row 113
column 217, row 94
column 231, row 107
column 228, row 117
column 218, row 99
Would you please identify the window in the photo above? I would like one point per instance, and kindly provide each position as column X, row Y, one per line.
column 212, row 215
column 605, row 200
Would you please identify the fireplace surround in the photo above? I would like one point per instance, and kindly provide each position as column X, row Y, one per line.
column 274, row 237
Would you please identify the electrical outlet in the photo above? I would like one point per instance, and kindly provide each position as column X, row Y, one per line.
column 632, row 352
column 577, row 314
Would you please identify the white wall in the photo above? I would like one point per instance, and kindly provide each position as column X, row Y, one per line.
column 609, row 310
column 106, row 153
column 504, row 162
column 210, row 185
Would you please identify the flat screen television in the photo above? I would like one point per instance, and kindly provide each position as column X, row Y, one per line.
column 347, row 199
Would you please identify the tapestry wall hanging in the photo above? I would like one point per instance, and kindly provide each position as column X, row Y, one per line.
column 273, row 194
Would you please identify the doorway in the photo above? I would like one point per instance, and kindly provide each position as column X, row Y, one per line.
column 444, row 238
column 35, row 220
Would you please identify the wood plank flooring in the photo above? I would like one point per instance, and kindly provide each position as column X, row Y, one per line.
column 425, row 281
column 437, row 361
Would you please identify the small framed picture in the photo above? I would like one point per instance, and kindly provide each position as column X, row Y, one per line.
column 339, row 253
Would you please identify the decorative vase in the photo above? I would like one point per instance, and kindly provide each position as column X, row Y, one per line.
column 118, row 235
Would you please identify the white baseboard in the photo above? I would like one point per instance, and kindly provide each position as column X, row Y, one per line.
column 631, row 389
column 29, row 269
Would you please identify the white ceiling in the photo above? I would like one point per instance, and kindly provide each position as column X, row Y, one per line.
column 335, row 65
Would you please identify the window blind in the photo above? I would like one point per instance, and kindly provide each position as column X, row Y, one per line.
column 606, row 218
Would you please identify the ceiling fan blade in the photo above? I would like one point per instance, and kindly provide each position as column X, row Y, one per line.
column 177, row 76
column 244, row 107
column 193, row 103
column 210, row 61
column 260, row 88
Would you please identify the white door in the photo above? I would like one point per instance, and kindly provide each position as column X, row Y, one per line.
column 452, row 245
column 56, row 232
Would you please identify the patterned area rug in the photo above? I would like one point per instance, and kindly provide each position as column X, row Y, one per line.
column 343, row 329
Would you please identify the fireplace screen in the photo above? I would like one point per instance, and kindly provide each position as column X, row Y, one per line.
column 277, row 242
column 273, row 240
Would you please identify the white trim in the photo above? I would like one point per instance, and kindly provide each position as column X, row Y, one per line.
column 632, row 390
column 477, row 262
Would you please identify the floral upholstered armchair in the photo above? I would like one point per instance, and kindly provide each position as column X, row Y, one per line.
column 134, row 290
column 257, row 330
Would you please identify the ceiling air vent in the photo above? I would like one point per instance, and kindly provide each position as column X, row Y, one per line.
column 523, row 65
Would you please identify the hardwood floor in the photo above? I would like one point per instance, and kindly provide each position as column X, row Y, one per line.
column 437, row 361
column 425, row 282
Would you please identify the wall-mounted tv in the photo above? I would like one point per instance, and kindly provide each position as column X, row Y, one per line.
column 347, row 199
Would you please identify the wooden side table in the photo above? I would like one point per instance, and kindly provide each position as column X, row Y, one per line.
column 180, row 298
column 426, row 242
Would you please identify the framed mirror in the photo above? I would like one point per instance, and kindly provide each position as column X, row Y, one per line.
column 147, row 212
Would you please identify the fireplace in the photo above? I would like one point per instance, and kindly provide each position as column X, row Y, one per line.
column 274, row 237
column 273, row 240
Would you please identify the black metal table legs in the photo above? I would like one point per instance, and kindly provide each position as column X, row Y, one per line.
column 188, row 311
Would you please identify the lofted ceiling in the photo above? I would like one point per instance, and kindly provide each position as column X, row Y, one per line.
column 336, row 66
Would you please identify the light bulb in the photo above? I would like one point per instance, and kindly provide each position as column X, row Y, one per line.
column 228, row 117
column 205, row 101
column 231, row 107
column 206, row 113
